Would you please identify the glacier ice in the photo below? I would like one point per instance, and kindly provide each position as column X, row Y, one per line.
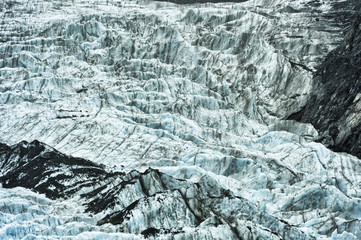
column 98, row 81
column 181, row 109
column 169, row 202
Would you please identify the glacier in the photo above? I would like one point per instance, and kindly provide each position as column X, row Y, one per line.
column 141, row 119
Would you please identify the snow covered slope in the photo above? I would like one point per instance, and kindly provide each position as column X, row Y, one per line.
column 181, row 110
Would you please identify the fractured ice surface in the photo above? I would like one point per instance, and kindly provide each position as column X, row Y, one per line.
column 199, row 93
column 134, row 204
column 133, row 84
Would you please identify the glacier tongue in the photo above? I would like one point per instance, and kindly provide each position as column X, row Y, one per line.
column 199, row 93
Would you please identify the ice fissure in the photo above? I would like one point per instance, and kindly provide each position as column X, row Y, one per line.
column 125, row 119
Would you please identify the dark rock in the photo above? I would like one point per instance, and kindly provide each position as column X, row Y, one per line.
column 39, row 167
column 150, row 232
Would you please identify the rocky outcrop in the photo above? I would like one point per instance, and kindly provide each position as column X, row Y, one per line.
column 335, row 101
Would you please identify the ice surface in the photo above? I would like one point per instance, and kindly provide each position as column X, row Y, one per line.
column 199, row 92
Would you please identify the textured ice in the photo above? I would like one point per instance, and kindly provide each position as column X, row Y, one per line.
column 126, row 83
column 199, row 92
